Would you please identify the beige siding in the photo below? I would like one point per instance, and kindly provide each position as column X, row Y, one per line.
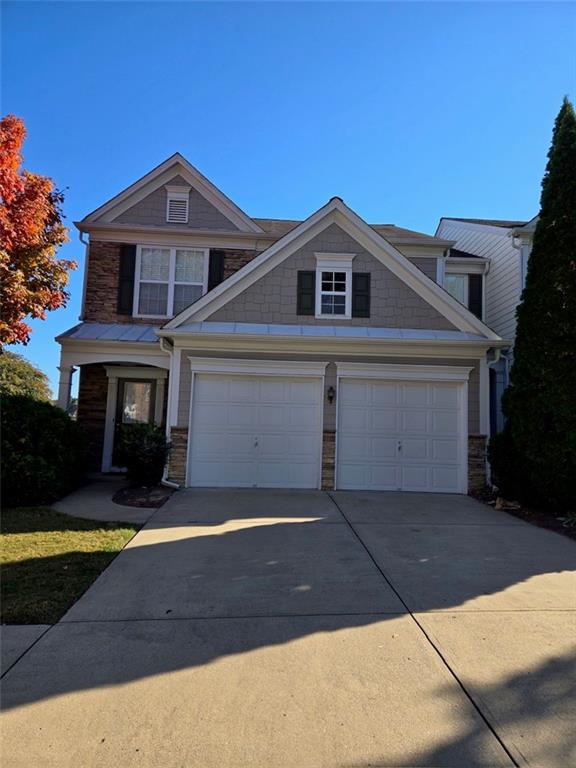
column 330, row 409
column 152, row 210
column 502, row 292
column 272, row 299
column 428, row 266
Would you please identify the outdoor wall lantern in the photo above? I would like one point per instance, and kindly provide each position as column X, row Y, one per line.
column 330, row 394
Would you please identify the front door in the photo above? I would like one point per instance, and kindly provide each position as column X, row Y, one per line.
column 135, row 405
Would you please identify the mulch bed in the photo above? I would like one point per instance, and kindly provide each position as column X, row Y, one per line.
column 152, row 497
column 537, row 517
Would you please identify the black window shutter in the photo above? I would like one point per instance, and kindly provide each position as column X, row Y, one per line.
column 215, row 268
column 361, row 294
column 475, row 295
column 306, row 292
column 126, row 279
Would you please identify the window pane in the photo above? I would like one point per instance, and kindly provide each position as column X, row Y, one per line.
column 189, row 266
column 136, row 404
column 153, row 299
column 184, row 295
column 340, row 276
column 154, row 263
column 339, row 305
column 456, row 286
column 340, row 287
column 327, row 305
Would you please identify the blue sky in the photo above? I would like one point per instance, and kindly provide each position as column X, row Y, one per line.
column 409, row 111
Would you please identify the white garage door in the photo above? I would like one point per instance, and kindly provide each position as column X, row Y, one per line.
column 250, row 431
column 395, row 435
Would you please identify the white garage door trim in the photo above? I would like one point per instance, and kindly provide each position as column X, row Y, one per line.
column 258, row 368
column 410, row 373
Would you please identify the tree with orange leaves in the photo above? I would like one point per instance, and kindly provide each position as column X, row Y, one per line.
column 32, row 278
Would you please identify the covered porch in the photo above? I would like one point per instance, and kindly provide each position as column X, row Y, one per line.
column 123, row 379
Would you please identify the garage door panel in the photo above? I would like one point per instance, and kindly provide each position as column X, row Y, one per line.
column 412, row 442
column 445, row 396
column 446, row 450
column 251, row 431
column 414, row 421
column 445, row 422
column 414, row 394
column 444, row 478
column 414, row 448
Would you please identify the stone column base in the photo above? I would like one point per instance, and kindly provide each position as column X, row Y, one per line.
column 476, row 462
column 328, row 459
column 177, row 457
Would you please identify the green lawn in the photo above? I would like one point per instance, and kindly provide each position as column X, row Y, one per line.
column 49, row 560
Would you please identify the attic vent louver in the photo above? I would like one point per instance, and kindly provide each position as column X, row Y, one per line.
column 177, row 206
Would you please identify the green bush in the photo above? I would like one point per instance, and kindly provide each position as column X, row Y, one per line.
column 143, row 450
column 507, row 472
column 43, row 452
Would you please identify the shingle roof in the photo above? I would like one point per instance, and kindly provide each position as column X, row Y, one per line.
column 280, row 227
column 505, row 223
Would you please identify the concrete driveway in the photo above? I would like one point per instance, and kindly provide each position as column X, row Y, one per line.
column 286, row 628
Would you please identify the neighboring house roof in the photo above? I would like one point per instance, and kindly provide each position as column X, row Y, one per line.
column 129, row 332
column 335, row 212
column 504, row 223
column 392, row 233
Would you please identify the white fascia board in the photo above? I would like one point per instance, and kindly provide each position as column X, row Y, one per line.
column 335, row 212
column 322, row 346
column 402, row 372
column 134, row 372
column 256, row 367
column 466, row 266
column 158, row 177
column 188, row 237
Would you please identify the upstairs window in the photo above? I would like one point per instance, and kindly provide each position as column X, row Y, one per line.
column 168, row 280
column 457, row 286
column 334, row 284
column 177, row 205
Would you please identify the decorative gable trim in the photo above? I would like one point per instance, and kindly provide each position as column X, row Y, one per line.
column 161, row 176
column 335, row 212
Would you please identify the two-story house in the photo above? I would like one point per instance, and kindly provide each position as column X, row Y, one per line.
column 498, row 251
column 298, row 354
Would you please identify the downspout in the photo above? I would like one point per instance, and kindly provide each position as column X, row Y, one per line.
column 86, row 245
column 168, row 348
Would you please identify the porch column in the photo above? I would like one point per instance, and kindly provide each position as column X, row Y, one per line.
column 65, row 385
column 110, row 423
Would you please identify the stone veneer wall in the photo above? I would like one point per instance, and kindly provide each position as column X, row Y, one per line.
column 476, row 462
column 177, row 458
column 328, row 459
column 236, row 259
column 92, row 396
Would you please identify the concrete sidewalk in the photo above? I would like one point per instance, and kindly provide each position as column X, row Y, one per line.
column 280, row 628
column 94, row 502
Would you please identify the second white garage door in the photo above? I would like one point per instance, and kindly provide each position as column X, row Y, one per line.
column 395, row 435
column 251, row 431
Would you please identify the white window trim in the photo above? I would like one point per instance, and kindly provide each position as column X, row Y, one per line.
column 171, row 276
column 449, row 273
column 177, row 193
column 333, row 262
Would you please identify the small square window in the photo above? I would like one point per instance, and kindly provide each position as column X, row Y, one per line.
column 334, row 293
